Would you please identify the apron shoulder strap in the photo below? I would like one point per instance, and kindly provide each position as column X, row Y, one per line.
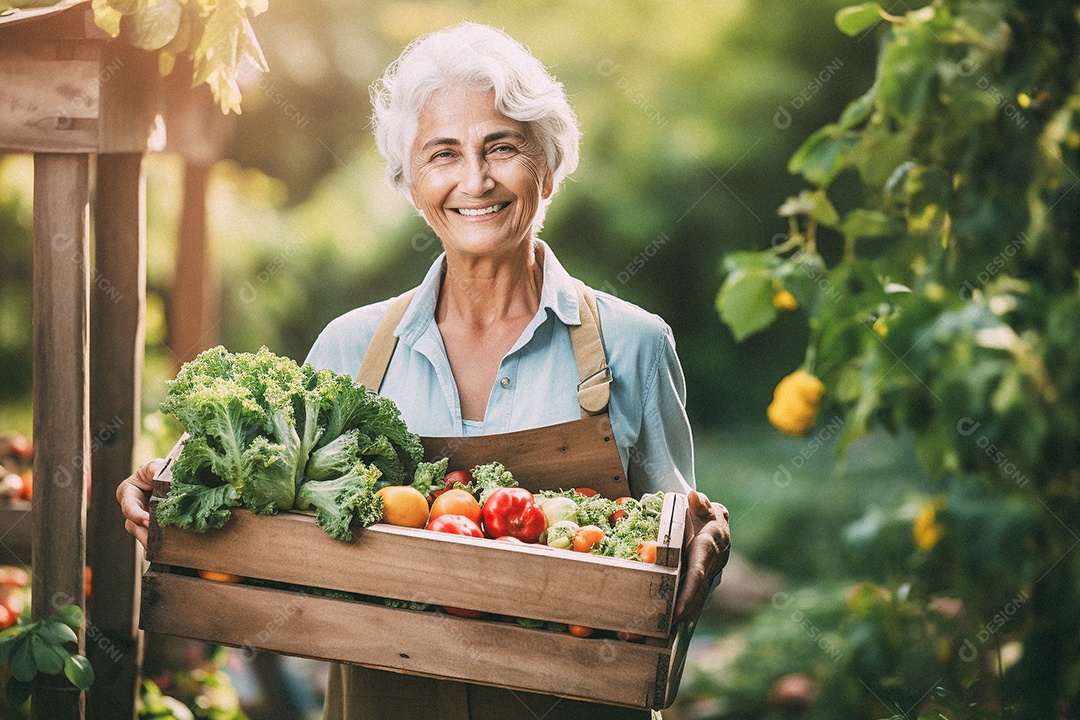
column 593, row 391
column 587, row 339
column 383, row 343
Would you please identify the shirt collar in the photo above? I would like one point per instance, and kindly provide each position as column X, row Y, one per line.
column 559, row 294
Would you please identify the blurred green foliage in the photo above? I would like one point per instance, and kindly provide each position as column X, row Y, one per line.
column 936, row 262
column 688, row 111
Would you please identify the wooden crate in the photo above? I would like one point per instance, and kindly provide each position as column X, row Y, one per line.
column 440, row 569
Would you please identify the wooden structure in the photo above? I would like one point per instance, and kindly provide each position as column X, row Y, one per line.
column 87, row 107
column 435, row 569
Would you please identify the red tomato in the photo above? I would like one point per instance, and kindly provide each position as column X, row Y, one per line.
column 615, row 516
column 14, row 577
column 587, row 537
column 17, row 446
column 514, row 512
column 456, row 525
column 587, row 492
column 580, row 630
column 7, row 618
column 629, row 636
column 647, row 551
column 457, row 476
column 456, row 502
column 14, row 604
column 27, row 492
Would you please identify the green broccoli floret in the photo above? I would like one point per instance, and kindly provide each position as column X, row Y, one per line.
column 193, row 506
column 262, row 429
column 344, row 501
column 640, row 523
column 346, row 406
column 489, row 478
column 429, row 474
column 335, row 458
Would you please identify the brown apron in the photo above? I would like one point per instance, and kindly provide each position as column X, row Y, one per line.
column 358, row 693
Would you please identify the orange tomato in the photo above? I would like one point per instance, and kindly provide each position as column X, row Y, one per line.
column 89, row 578
column 462, row 612
column 647, row 551
column 587, row 537
column 220, row 576
column 456, row 502
column 7, row 618
column 629, row 636
column 404, row 506
column 580, row 630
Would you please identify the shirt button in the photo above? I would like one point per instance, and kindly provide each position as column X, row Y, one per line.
column 505, row 382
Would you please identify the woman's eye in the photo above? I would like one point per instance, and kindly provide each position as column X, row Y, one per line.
column 503, row 149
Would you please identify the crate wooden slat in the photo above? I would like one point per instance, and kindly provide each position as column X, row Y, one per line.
column 545, row 458
column 485, row 652
column 434, row 568
column 429, row 567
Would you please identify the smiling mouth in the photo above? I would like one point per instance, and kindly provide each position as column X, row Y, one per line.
column 474, row 212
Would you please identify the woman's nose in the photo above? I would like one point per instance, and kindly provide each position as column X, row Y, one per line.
column 477, row 178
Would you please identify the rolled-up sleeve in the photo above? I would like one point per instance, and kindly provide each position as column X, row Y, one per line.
column 663, row 456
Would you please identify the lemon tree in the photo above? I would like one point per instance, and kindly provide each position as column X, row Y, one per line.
column 935, row 256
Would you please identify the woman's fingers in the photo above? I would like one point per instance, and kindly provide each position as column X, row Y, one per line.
column 706, row 553
column 133, row 494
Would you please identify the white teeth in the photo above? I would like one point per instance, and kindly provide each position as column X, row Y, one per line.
column 484, row 211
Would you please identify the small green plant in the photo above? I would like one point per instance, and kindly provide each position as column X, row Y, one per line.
column 42, row 647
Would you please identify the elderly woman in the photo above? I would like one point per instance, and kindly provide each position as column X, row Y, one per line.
column 498, row 337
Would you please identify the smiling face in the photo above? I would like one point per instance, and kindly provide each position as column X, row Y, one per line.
column 477, row 176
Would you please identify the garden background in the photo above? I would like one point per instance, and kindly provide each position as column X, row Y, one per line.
column 911, row 553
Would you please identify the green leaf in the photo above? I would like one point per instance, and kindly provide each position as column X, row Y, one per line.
column 23, row 667
column 6, row 646
column 126, row 7
column 156, row 25
column 78, row 671
column 48, row 658
column 861, row 223
column 858, row 110
column 106, row 17
column 18, row 692
column 56, row 632
column 823, row 155
column 70, row 615
column 745, row 302
column 857, row 18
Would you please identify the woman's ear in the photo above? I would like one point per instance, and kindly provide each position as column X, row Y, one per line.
column 545, row 191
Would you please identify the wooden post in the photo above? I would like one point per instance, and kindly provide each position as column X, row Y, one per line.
column 60, row 397
column 117, row 300
column 193, row 307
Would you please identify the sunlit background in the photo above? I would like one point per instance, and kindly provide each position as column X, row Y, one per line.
column 689, row 112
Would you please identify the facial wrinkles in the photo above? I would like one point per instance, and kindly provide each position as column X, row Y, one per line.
column 475, row 168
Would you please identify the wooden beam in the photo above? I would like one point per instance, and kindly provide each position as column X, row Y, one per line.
column 193, row 305
column 60, row 398
column 117, row 301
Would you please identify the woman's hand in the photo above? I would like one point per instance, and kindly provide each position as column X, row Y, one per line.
column 134, row 497
column 705, row 553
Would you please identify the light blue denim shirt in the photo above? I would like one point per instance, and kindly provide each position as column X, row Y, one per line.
column 537, row 380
